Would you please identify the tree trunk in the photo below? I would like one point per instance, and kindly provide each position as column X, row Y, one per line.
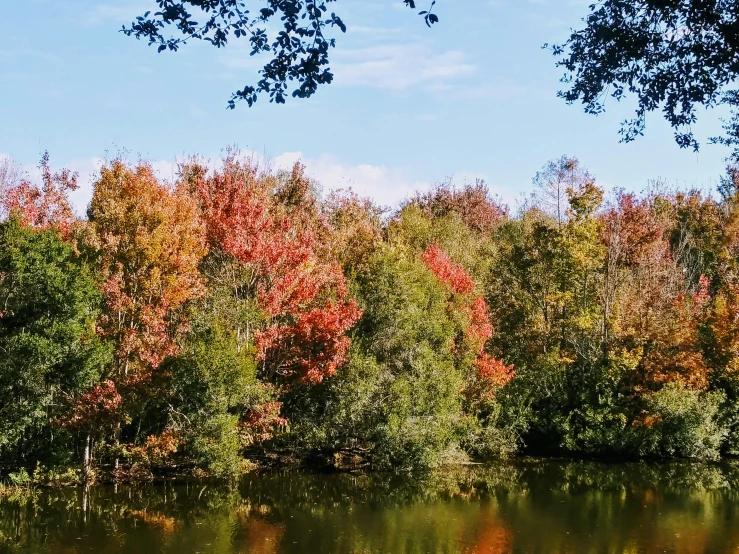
column 86, row 459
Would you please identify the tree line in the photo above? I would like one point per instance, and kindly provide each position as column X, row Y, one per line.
column 237, row 316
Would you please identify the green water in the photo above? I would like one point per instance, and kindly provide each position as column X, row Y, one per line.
column 530, row 506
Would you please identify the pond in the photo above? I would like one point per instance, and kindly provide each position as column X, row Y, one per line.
column 527, row 506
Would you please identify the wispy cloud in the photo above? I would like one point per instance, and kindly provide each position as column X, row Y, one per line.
column 399, row 66
column 123, row 11
column 426, row 117
column 417, row 66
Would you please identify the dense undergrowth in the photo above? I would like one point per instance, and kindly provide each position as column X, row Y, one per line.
column 237, row 318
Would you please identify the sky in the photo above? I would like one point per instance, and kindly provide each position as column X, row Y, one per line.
column 475, row 96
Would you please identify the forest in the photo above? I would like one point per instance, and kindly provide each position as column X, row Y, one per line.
column 239, row 317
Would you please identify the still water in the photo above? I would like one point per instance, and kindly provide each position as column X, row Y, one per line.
column 527, row 506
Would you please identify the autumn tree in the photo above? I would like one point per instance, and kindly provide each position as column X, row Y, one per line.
column 304, row 298
column 631, row 234
column 654, row 310
column 150, row 240
column 238, row 313
column 95, row 413
column 40, row 206
column 490, row 373
column 543, row 286
column 472, row 202
column 356, row 229
column 543, row 293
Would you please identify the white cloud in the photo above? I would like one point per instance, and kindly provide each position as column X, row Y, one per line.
column 399, row 66
column 374, row 32
column 386, row 186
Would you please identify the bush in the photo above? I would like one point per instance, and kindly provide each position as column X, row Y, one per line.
column 20, row 478
column 681, row 422
column 214, row 445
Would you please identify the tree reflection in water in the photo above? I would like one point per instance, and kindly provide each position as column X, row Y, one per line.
column 527, row 506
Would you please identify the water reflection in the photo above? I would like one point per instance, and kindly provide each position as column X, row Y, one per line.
column 530, row 506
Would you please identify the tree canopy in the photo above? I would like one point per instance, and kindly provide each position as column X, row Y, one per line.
column 236, row 317
column 672, row 55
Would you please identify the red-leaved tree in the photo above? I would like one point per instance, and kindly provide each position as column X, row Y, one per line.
column 45, row 206
column 251, row 217
column 94, row 412
column 479, row 329
column 451, row 274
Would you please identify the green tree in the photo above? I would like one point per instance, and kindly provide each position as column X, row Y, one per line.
column 398, row 398
column 543, row 292
column 50, row 351
column 213, row 382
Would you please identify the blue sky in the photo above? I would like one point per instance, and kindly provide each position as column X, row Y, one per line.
column 475, row 96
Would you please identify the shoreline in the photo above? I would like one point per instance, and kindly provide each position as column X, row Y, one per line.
column 108, row 478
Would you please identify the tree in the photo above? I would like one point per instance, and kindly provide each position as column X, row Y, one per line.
column 491, row 373
column 95, row 412
column 672, row 56
column 553, row 182
column 632, row 235
column 299, row 50
column 265, row 224
column 150, row 241
column 50, row 351
column 472, row 203
column 41, row 207
column 398, row 398
column 357, row 229
column 548, row 266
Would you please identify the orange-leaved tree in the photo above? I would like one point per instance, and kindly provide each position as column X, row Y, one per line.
column 356, row 229
column 150, row 240
column 651, row 310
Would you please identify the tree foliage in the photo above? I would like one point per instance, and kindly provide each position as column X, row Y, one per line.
column 299, row 50
column 672, row 56
column 150, row 241
column 41, row 207
column 303, row 297
column 50, row 351
column 237, row 317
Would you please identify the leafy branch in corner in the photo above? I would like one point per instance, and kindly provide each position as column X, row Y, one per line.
column 299, row 49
